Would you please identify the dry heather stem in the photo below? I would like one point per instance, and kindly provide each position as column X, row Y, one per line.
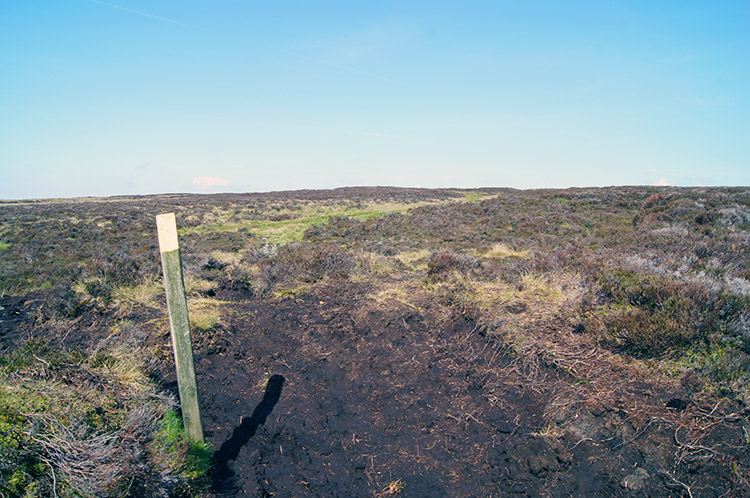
column 93, row 464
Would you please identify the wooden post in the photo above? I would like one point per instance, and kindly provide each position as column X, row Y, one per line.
column 179, row 325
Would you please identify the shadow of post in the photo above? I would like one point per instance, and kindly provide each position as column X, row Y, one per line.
column 230, row 449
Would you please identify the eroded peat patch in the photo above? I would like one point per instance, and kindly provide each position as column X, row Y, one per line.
column 379, row 400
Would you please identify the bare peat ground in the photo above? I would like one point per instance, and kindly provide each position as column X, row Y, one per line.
column 379, row 400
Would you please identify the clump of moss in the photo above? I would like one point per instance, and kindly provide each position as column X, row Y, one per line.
column 192, row 460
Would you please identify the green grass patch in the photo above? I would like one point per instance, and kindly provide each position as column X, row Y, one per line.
column 192, row 459
column 293, row 228
column 475, row 196
column 291, row 292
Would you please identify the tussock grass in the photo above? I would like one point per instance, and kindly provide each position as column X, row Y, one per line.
column 370, row 265
column 146, row 293
column 205, row 313
column 196, row 286
column 402, row 293
column 204, row 319
column 416, row 259
column 93, row 292
column 227, row 258
column 502, row 251
column 122, row 368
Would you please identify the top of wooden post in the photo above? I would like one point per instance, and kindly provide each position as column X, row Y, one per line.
column 166, row 227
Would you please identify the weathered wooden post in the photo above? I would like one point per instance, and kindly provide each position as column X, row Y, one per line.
column 179, row 325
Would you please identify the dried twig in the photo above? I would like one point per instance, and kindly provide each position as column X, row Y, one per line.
column 691, row 449
column 677, row 484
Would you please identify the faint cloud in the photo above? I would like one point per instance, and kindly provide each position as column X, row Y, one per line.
column 209, row 182
column 662, row 182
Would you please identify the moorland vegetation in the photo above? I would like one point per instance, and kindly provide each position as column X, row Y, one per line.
column 624, row 312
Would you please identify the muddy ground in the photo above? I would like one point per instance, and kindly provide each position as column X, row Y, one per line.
column 329, row 394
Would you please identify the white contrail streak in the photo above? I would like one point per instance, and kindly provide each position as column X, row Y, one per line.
column 144, row 14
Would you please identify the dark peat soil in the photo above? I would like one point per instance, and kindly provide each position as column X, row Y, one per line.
column 329, row 394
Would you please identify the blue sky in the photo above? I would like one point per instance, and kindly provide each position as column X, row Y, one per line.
column 135, row 96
